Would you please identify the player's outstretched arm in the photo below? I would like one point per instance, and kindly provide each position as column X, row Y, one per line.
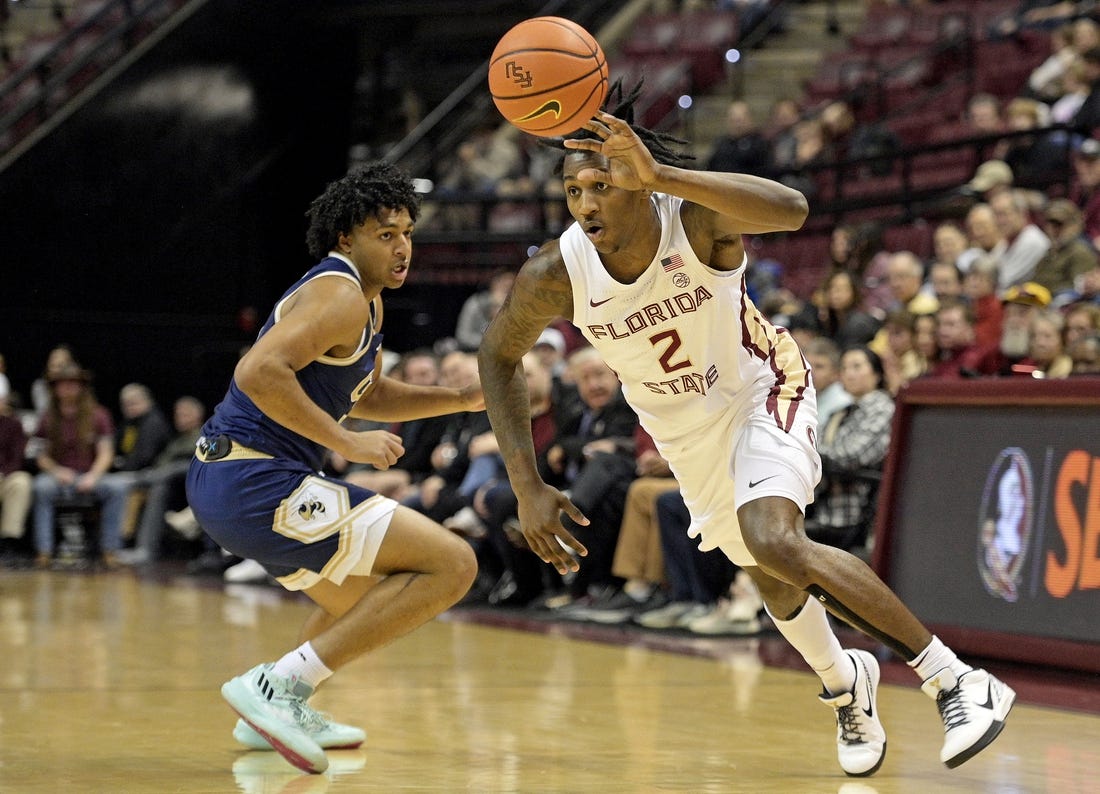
column 540, row 294
column 748, row 204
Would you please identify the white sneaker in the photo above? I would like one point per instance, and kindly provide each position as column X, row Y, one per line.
column 184, row 522
column 275, row 707
column 329, row 735
column 860, row 738
column 973, row 707
column 245, row 572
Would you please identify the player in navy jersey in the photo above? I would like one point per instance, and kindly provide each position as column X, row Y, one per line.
column 653, row 274
column 376, row 570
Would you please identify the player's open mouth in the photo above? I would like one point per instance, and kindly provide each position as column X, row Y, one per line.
column 593, row 231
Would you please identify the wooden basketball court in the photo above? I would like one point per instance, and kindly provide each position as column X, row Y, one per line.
column 109, row 683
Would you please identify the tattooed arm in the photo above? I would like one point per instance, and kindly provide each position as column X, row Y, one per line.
column 541, row 293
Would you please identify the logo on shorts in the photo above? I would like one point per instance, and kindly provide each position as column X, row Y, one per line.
column 310, row 508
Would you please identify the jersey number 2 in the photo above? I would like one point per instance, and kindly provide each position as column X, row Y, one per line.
column 672, row 337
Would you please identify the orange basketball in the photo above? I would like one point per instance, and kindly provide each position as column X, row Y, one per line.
column 548, row 76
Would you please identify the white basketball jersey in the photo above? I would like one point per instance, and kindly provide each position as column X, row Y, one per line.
column 688, row 344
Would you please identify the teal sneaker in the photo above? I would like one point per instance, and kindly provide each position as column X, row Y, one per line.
column 275, row 708
column 329, row 735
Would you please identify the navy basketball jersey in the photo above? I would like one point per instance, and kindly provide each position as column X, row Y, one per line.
column 335, row 384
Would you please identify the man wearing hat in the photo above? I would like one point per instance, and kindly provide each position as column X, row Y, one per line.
column 1021, row 303
column 1070, row 254
column 76, row 438
column 991, row 178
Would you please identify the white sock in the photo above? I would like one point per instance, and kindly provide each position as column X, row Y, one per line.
column 304, row 665
column 936, row 657
column 812, row 636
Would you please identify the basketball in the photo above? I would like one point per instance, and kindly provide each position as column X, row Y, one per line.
column 548, row 76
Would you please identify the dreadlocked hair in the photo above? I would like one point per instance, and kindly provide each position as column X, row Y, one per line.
column 659, row 143
column 350, row 200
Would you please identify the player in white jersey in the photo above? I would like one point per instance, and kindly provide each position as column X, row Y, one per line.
column 652, row 272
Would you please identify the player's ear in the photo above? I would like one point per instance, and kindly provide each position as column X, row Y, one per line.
column 343, row 243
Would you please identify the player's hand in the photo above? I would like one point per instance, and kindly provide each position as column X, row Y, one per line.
column 630, row 164
column 540, row 519
column 379, row 448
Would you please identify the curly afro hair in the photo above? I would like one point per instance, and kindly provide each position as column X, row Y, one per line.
column 350, row 200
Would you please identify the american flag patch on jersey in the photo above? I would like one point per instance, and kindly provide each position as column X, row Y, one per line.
column 673, row 262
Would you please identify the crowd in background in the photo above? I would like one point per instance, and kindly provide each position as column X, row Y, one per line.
column 1012, row 289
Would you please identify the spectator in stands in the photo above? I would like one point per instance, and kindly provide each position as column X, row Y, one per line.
column 839, row 316
column 15, row 481
column 593, row 456
column 76, row 436
column 1026, row 242
column 1082, row 319
column 811, row 149
column 1087, row 117
column 164, row 481
column 850, row 141
column 991, row 178
column 446, row 491
column 743, row 149
column 1046, row 346
column 489, row 155
column 1085, row 355
column 855, row 441
column 1074, row 89
column 948, row 243
column 985, row 237
column 782, row 118
column 550, row 348
column 696, row 580
column 59, row 357
column 901, row 363
column 959, row 354
column 1036, row 160
column 823, row 355
column 516, row 575
column 143, row 433
column 638, row 560
column 983, row 115
column 1070, row 254
column 944, row 281
column 480, row 308
column 419, row 437
column 1085, row 189
column 1046, row 80
column 906, row 276
column 980, row 289
column 925, row 340
column 1021, row 304
column 869, row 262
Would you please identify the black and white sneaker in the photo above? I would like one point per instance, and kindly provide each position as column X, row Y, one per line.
column 860, row 737
column 973, row 707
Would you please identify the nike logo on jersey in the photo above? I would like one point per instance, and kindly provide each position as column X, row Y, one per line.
column 594, row 304
column 765, row 479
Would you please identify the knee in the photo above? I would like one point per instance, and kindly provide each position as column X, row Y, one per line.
column 45, row 487
column 779, row 546
column 462, row 567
